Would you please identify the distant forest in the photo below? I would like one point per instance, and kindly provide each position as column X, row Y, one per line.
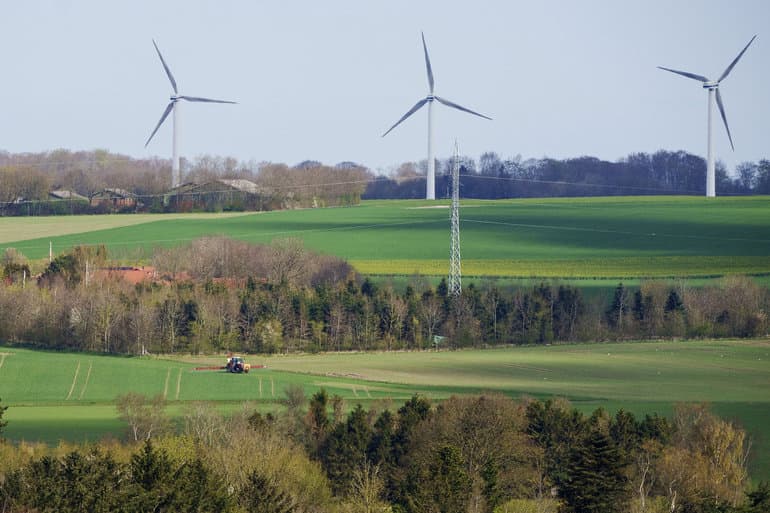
column 27, row 180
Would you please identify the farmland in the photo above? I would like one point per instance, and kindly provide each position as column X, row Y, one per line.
column 593, row 241
column 65, row 395
column 605, row 238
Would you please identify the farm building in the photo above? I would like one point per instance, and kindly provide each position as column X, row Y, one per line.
column 132, row 275
column 114, row 199
column 220, row 195
column 64, row 194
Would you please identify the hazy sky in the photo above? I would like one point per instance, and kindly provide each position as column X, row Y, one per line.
column 323, row 80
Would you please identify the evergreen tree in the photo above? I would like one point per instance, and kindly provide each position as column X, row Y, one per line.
column 317, row 420
column 673, row 302
column 152, row 477
column 199, row 490
column 443, row 486
column 625, row 434
column 345, row 449
column 379, row 451
column 596, row 482
column 556, row 429
column 414, row 411
column 261, row 496
column 74, row 483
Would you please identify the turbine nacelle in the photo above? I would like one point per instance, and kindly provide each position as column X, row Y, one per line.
column 711, row 84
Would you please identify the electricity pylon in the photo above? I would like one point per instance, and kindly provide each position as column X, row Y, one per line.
column 455, row 270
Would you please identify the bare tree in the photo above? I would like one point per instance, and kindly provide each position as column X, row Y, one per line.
column 146, row 417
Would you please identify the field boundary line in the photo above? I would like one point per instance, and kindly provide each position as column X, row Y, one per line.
column 74, row 381
column 85, row 383
column 165, row 387
column 178, row 383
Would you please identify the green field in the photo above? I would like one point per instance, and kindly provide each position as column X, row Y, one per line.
column 606, row 238
column 589, row 242
column 69, row 396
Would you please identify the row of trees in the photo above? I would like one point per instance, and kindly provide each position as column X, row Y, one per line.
column 31, row 176
column 492, row 177
column 226, row 295
column 26, row 180
column 479, row 454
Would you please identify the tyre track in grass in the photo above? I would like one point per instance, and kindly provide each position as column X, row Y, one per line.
column 74, row 381
column 165, row 387
column 85, row 383
column 178, row 384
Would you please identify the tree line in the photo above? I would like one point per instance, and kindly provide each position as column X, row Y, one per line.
column 26, row 180
column 484, row 454
column 218, row 294
column 493, row 177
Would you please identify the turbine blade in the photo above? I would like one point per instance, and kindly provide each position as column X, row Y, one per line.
column 427, row 63
column 732, row 64
column 165, row 66
column 693, row 76
column 459, row 107
column 207, row 100
column 724, row 118
column 162, row 119
column 411, row 111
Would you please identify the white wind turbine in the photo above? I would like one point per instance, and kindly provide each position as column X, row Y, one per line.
column 713, row 88
column 431, row 178
column 176, row 176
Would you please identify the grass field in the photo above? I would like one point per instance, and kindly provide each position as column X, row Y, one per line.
column 574, row 237
column 69, row 396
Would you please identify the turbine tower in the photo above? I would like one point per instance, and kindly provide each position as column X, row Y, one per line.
column 713, row 88
column 176, row 175
column 430, row 192
column 455, row 270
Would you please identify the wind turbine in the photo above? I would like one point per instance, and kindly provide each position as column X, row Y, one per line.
column 713, row 88
column 176, row 176
column 431, row 178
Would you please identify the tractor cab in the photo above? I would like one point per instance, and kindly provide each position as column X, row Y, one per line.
column 237, row 364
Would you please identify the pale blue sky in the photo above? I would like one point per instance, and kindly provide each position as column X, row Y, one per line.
column 324, row 79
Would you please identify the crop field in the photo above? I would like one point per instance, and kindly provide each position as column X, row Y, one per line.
column 601, row 238
column 25, row 228
column 70, row 396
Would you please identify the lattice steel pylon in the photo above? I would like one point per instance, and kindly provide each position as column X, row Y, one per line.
column 455, row 268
